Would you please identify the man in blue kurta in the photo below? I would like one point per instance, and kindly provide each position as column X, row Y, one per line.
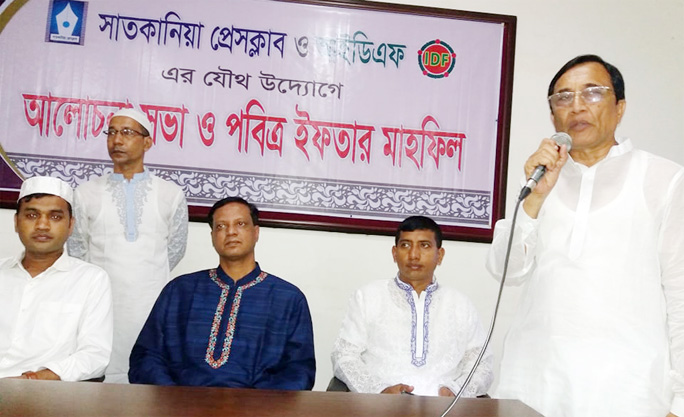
column 232, row 326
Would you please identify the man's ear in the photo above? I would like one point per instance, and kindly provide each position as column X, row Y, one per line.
column 148, row 143
column 72, row 222
column 621, row 107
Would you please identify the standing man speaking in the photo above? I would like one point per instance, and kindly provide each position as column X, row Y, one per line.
column 599, row 246
column 135, row 226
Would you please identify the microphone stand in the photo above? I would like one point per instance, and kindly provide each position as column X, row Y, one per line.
column 496, row 311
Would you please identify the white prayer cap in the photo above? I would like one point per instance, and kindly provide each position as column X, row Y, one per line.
column 136, row 115
column 47, row 185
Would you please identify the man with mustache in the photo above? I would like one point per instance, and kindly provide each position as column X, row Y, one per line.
column 231, row 326
column 55, row 310
column 135, row 226
column 412, row 334
column 599, row 246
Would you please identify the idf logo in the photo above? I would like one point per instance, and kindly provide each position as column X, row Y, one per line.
column 436, row 59
column 66, row 22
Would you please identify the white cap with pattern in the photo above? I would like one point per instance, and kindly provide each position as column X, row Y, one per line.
column 47, row 185
column 136, row 115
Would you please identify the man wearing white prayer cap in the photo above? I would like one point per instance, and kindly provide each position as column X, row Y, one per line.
column 135, row 226
column 55, row 311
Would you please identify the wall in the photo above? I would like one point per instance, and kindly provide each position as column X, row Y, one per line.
column 645, row 39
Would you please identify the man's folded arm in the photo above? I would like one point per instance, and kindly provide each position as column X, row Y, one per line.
column 94, row 340
column 296, row 369
column 348, row 364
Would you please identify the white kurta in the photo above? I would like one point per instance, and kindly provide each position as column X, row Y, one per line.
column 391, row 336
column 61, row 319
column 137, row 231
column 603, row 267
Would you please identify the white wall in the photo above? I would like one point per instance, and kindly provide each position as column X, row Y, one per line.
column 644, row 39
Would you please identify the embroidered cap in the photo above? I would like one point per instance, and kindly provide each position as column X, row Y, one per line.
column 47, row 185
column 136, row 115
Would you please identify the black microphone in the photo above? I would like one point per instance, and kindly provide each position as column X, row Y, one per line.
column 561, row 138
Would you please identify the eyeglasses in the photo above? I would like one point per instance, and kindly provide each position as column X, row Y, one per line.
column 589, row 95
column 125, row 132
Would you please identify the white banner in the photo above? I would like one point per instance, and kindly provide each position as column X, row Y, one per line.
column 348, row 113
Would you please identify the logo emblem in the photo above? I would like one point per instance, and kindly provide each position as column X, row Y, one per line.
column 66, row 22
column 436, row 59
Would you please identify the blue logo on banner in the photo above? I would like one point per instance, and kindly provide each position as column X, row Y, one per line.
column 66, row 22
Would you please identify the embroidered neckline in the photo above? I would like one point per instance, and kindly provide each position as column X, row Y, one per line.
column 232, row 318
column 138, row 176
column 408, row 293
column 130, row 197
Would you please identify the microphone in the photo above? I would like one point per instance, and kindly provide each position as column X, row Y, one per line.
column 561, row 138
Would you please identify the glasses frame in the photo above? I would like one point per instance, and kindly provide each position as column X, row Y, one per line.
column 125, row 132
column 603, row 88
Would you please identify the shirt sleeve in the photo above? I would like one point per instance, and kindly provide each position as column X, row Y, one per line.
column 94, row 340
column 77, row 244
column 296, row 369
column 178, row 235
column 348, row 364
column 484, row 375
column 521, row 261
column 148, row 360
column 671, row 253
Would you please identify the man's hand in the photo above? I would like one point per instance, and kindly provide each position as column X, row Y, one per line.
column 398, row 389
column 553, row 158
column 446, row 392
column 42, row 374
column 671, row 415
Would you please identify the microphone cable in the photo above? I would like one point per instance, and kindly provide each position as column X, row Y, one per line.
column 496, row 311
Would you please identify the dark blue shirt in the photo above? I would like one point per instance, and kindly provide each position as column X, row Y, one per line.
column 272, row 336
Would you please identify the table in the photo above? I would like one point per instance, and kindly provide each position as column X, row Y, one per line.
column 75, row 399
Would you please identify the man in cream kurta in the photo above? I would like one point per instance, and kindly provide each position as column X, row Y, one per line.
column 410, row 334
column 134, row 225
column 599, row 245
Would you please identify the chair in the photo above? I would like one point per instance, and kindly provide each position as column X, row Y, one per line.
column 337, row 385
column 96, row 379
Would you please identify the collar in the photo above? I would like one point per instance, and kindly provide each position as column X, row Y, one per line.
column 623, row 146
column 408, row 288
column 140, row 176
column 13, row 262
column 226, row 279
column 61, row 264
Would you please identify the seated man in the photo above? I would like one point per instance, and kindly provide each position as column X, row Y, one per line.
column 55, row 310
column 410, row 334
column 232, row 326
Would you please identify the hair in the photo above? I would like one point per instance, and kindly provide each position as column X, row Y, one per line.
column 615, row 75
column 419, row 223
column 30, row 197
column 253, row 210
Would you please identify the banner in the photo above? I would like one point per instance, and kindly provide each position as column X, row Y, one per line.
column 342, row 116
